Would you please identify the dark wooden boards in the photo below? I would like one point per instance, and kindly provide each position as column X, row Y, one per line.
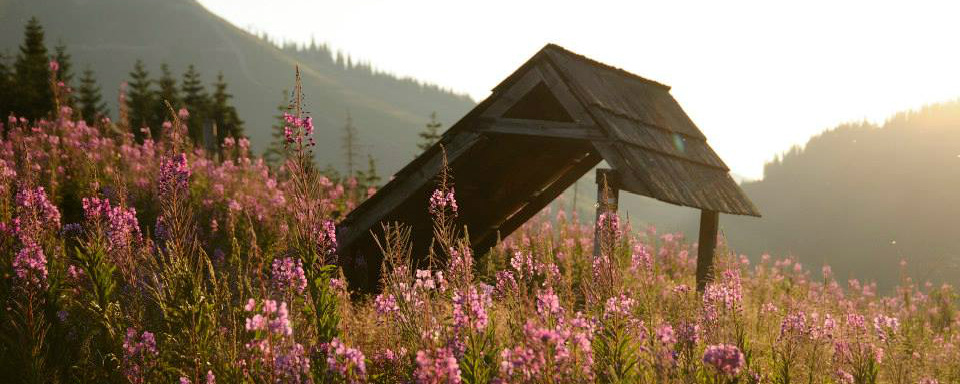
column 709, row 227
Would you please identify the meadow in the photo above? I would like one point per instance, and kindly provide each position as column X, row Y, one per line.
column 156, row 261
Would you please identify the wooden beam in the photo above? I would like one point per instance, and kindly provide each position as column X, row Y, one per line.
column 608, row 199
column 709, row 226
column 564, row 94
column 628, row 180
column 456, row 147
column 572, row 172
column 513, row 94
column 543, row 128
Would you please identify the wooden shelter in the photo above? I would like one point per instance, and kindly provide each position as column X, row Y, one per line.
column 541, row 129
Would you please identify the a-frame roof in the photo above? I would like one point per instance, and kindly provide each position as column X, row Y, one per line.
column 540, row 130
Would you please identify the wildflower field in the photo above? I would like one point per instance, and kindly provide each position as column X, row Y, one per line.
column 155, row 261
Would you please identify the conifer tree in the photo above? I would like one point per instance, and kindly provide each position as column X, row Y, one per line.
column 430, row 134
column 140, row 100
column 369, row 178
column 196, row 101
column 7, row 87
column 89, row 98
column 64, row 60
column 167, row 91
column 350, row 146
column 34, row 98
column 224, row 114
column 64, row 72
column 275, row 153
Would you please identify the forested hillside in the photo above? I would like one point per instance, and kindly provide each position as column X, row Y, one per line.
column 109, row 36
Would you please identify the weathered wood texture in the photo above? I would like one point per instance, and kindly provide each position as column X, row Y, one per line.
column 709, row 226
column 608, row 200
column 662, row 146
column 543, row 128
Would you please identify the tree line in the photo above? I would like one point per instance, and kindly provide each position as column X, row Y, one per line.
column 29, row 79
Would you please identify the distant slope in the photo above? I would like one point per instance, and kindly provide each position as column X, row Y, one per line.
column 862, row 197
column 110, row 35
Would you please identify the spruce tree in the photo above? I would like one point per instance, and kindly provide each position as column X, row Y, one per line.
column 196, row 101
column 369, row 178
column 89, row 98
column 224, row 114
column 7, row 87
column 350, row 151
column 141, row 100
column 167, row 91
column 64, row 71
column 430, row 134
column 64, row 59
column 34, row 98
column 275, row 154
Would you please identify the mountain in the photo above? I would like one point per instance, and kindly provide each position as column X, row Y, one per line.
column 862, row 197
column 110, row 35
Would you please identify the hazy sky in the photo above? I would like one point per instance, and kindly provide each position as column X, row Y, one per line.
column 756, row 77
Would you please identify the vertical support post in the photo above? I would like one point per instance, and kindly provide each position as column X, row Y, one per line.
column 608, row 198
column 709, row 225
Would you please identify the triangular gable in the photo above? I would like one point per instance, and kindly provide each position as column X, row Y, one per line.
column 542, row 129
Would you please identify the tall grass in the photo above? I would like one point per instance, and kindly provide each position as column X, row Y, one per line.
column 159, row 262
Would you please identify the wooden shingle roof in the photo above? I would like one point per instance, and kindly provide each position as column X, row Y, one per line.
column 653, row 135
column 540, row 130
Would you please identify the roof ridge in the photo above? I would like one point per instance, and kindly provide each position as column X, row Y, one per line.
column 592, row 62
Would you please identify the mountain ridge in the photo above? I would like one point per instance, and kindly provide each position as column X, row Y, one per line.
column 184, row 32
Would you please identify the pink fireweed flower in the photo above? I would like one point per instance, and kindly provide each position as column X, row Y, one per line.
column 326, row 238
column 525, row 266
column 725, row 296
column 856, row 321
column 174, row 175
column 183, row 114
column 385, row 304
column 347, row 362
column 460, row 267
column 441, row 202
column 642, row 259
column 437, row 366
column 665, row 336
column 211, row 378
column 664, row 340
column 793, row 326
column 139, row 355
column 548, row 304
column 30, row 266
column 520, row 362
column 470, row 309
column 36, row 215
column 609, row 223
column 273, row 345
column 122, row 228
column 885, row 327
column 426, row 280
column 54, row 66
column 296, row 130
column 726, row 359
column 844, row 377
column 389, row 355
column 287, row 275
column 506, row 284
column 619, row 307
